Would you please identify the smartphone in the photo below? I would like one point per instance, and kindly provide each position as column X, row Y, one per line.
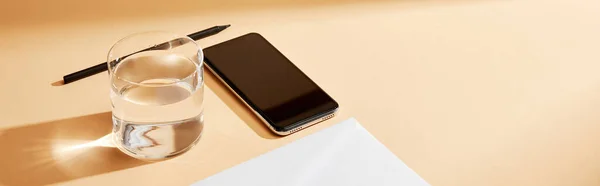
column 278, row 92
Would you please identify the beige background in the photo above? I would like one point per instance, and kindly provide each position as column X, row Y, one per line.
column 468, row 92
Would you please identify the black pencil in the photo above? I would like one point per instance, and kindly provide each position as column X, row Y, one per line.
column 104, row 67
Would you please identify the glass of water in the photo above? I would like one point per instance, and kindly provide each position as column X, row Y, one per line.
column 156, row 90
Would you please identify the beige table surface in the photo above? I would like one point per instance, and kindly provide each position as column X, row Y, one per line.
column 465, row 92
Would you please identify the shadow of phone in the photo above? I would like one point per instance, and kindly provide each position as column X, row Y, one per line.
column 58, row 151
column 237, row 106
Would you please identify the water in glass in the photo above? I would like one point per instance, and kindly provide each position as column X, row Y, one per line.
column 157, row 102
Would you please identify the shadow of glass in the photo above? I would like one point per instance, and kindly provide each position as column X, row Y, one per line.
column 237, row 106
column 59, row 151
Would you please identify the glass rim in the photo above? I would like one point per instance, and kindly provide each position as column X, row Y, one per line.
column 199, row 53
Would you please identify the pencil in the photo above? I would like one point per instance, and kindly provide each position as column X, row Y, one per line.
column 104, row 67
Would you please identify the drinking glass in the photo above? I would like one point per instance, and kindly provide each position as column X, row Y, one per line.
column 156, row 90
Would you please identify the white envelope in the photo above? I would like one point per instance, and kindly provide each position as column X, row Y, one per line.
column 345, row 154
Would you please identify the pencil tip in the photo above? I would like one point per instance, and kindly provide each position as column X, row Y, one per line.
column 226, row 26
column 58, row 83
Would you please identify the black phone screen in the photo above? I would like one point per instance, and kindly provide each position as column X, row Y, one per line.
column 268, row 82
